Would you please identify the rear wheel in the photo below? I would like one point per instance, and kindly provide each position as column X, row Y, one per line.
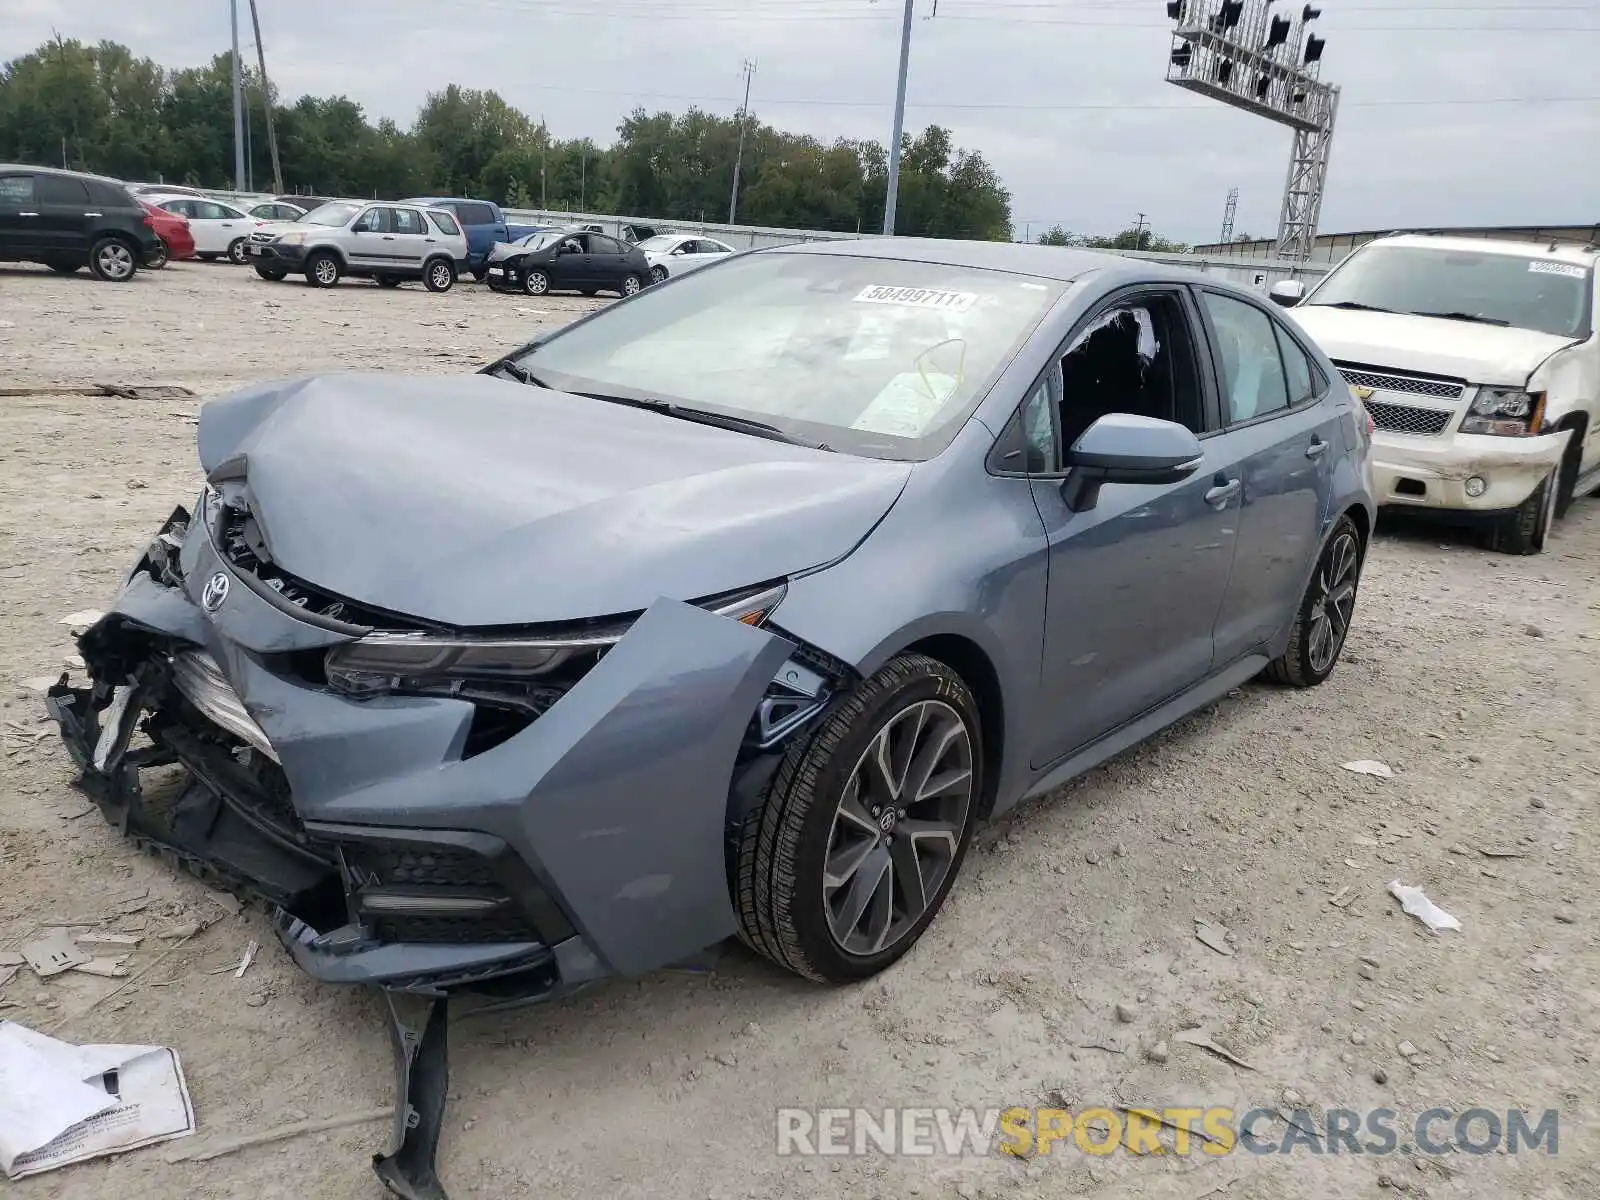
column 439, row 275
column 160, row 258
column 323, row 270
column 631, row 285
column 535, row 282
column 1323, row 622
column 862, row 831
column 238, row 251
column 112, row 260
column 1527, row 529
column 658, row 274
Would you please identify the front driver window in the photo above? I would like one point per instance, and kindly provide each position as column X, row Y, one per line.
column 1132, row 358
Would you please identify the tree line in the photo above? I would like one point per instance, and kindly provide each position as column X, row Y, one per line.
column 100, row 108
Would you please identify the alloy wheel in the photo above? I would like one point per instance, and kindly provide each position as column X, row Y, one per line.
column 1335, row 601
column 115, row 261
column 441, row 277
column 327, row 272
column 898, row 827
column 630, row 286
column 536, row 283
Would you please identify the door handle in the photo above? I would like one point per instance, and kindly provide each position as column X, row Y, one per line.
column 1317, row 448
column 388, row 237
column 94, row 214
column 1219, row 496
column 27, row 214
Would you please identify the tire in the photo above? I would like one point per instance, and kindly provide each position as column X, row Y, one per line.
column 803, row 824
column 159, row 259
column 1322, row 622
column 658, row 274
column 1526, row 530
column 438, row 274
column 208, row 257
column 64, row 268
column 111, row 259
column 388, row 281
column 271, row 275
column 536, row 282
column 1571, row 468
column 238, row 254
column 323, row 270
column 631, row 285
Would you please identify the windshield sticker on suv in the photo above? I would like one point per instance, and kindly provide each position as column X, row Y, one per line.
column 882, row 293
column 1571, row 270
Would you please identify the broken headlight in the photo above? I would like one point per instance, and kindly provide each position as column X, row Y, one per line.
column 1504, row 412
column 428, row 662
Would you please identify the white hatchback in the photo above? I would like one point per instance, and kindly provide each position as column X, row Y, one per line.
column 678, row 253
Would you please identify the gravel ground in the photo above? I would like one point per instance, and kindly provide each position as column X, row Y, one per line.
column 1471, row 675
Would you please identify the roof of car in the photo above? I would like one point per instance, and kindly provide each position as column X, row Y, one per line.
column 1022, row 258
column 37, row 170
column 1517, row 248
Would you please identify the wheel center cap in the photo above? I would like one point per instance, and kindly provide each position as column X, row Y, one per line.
column 888, row 819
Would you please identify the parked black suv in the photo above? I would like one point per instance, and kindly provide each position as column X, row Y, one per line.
column 67, row 220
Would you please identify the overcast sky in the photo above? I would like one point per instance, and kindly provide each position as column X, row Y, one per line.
column 1066, row 98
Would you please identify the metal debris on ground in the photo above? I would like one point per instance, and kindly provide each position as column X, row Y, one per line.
column 1419, row 906
column 1202, row 1038
column 1215, row 936
column 1372, row 767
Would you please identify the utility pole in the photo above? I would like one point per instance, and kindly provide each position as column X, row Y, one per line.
column 544, row 151
column 893, row 197
column 1138, row 234
column 238, row 102
column 583, row 175
column 266, row 102
column 749, row 69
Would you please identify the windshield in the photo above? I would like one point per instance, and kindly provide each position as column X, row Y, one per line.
column 538, row 241
column 1528, row 291
column 869, row 356
column 662, row 241
column 336, row 213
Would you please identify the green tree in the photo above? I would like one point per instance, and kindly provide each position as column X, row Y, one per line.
column 1057, row 236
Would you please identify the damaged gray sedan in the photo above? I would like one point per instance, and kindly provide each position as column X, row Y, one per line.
column 730, row 609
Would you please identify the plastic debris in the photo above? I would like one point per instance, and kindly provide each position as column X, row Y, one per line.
column 1419, row 906
column 1202, row 1038
column 1212, row 935
column 53, row 954
column 82, row 619
column 249, row 957
column 1372, row 767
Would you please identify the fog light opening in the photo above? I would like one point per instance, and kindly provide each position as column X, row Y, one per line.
column 1477, row 485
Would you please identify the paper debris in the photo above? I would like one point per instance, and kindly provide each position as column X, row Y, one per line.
column 10, row 958
column 7, row 974
column 1367, row 766
column 1419, row 906
column 106, row 968
column 1214, row 936
column 54, row 954
column 1202, row 1038
column 57, row 1106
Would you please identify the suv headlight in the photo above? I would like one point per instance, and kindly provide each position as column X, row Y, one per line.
column 1504, row 412
column 384, row 662
column 290, row 239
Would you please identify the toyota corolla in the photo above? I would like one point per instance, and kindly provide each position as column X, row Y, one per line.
column 732, row 608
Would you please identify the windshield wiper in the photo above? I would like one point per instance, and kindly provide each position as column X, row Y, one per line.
column 509, row 366
column 701, row 416
column 1463, row 316
column 1357, row 305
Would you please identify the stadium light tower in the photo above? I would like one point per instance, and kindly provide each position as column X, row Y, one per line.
column 1267, row 63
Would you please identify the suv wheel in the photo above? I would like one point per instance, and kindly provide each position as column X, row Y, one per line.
column 270, row 274
column 535, row 282
column 237, row 252
column 439, row 275
column 1526, row 530
column 323, row 270
column 388, row 281
column 863, row 829
column 112, row 260
column 1323, row 622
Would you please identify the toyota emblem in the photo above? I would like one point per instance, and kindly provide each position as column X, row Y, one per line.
column 215, row 594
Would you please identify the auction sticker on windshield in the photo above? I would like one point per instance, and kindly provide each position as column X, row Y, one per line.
column 908, row 297
column 1571, row 270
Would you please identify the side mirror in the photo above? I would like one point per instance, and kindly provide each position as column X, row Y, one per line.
column 1287, row 292
column 1123, row 448
column 361, row 227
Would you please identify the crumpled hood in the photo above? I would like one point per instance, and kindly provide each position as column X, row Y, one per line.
column 503, row 250
column 473, row 500
column 1482, row 354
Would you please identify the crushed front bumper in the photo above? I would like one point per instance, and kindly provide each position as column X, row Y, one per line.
column 1432, row 472
column 592, row 842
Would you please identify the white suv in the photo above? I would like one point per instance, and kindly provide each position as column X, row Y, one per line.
column 1479, row 364
column 390, row 243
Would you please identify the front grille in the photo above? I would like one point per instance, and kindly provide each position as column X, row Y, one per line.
column 258, row 236
column 443, row 873
column 1411, row 385
column 405, row 864
column 1402, row 418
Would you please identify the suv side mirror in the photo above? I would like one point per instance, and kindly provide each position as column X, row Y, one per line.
column 1123, row 448
column 361, row 227
column 1287, row 292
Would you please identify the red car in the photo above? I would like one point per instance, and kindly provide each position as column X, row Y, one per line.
column 173, row 230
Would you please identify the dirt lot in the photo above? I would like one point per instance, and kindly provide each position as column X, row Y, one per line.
column 1471, row 675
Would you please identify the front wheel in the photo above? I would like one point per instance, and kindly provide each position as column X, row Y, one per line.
column 1322, row 622
column 323, row 270
column 658, row 274
column 270, row 274
column 439, row 275
column 535, row 282
column 631, row 285
column 388, row 281
column 1527, row 529
column 859, row 837
column 238, row 252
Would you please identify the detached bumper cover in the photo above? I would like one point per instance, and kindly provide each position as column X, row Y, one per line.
column 589, row 843
column 1512, row 468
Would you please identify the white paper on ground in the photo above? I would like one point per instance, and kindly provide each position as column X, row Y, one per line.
column 1419, row 906
column 61, row 1103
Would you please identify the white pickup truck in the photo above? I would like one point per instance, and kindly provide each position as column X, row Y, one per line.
column 1479, row 364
